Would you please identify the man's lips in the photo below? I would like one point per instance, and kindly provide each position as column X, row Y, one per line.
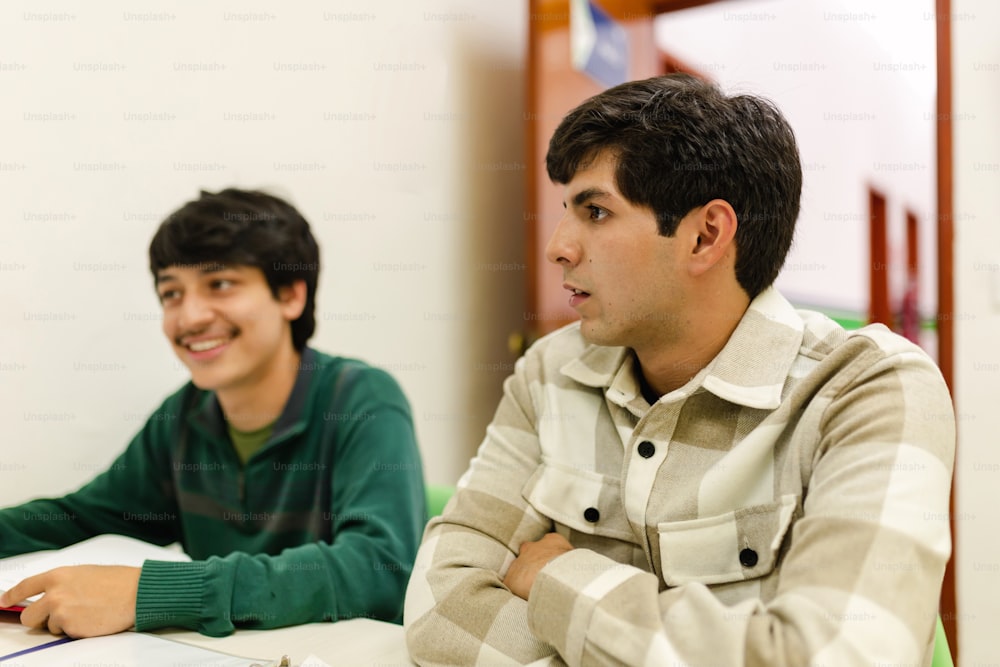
column 205, row 345
column 202, row 343
column 576, row 295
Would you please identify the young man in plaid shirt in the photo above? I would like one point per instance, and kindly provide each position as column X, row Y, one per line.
column 695, row 473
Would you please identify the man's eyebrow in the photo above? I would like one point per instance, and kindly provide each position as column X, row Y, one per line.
column 203, row 269
column 213, row 268
column 587, row 194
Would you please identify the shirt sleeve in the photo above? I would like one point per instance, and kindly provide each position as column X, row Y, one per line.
column 458, row 612
column 378, row 511
column 858, row 584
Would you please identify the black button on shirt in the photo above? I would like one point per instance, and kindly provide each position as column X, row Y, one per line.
column 748, row 558
column 646, row 449
column 591, row 514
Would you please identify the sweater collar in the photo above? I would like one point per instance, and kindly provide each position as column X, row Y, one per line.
column 207, row 414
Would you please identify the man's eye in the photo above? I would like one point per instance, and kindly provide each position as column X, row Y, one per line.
column 168, row 295
column 222, row 283
column 597, row 213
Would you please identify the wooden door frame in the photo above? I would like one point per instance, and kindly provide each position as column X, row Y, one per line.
column 879, row 308
column 945, row 274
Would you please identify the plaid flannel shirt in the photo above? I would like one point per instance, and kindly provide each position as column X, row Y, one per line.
column 787, row 506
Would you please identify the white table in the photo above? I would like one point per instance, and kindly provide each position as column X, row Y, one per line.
column 360, row 641
column 357, row 642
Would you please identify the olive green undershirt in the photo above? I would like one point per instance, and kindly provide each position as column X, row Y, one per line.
column 248, row 442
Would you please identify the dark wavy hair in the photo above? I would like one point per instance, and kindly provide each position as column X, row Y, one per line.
column 680, row 142
column 244, row 228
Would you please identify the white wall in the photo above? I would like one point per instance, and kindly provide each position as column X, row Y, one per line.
column 976, row 106
column 396, row 128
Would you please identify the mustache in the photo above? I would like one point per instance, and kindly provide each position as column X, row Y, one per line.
column 183, row 338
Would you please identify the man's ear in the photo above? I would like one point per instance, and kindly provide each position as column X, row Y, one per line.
column 292, row 299
column 714, row 228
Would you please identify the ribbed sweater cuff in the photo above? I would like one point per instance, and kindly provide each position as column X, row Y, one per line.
column 170, row 595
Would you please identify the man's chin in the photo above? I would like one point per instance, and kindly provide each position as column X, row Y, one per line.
column 201, row 385
column 203, row 378
column 595, row 335
column 204, row 383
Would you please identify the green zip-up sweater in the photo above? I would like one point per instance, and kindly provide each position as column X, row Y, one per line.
column 322, row 523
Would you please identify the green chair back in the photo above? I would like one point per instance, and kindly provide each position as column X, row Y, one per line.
column 438, row 496
column 942, row 654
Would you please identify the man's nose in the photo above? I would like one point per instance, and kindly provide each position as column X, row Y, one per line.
column 562, row 248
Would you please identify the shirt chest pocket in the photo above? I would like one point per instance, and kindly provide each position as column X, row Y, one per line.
column 735, row 546
column 582, row 500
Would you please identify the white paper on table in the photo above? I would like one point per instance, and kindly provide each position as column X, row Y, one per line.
column 130, row 649
column 100, row 550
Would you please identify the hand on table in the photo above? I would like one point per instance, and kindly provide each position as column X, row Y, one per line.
column 532, row 558
column 79, row 601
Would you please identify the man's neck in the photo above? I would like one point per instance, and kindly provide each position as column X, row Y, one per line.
column 251, row 407
column 667, row 367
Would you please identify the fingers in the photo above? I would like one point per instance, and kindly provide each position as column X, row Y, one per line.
column 556, row 540
column 25, row 589
column 54, row 627
column 44, row 614
column 37, row 615
column 549, row 543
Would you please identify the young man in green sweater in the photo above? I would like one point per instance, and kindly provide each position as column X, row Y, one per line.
column 291, row 477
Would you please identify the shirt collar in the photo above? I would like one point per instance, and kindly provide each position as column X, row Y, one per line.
column 750, row 370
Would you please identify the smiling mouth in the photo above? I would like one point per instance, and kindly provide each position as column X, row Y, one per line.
column 205, row 345
column 196, row 343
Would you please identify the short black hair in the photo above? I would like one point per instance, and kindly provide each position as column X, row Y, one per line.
column 244, row 228
column 680, row 142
